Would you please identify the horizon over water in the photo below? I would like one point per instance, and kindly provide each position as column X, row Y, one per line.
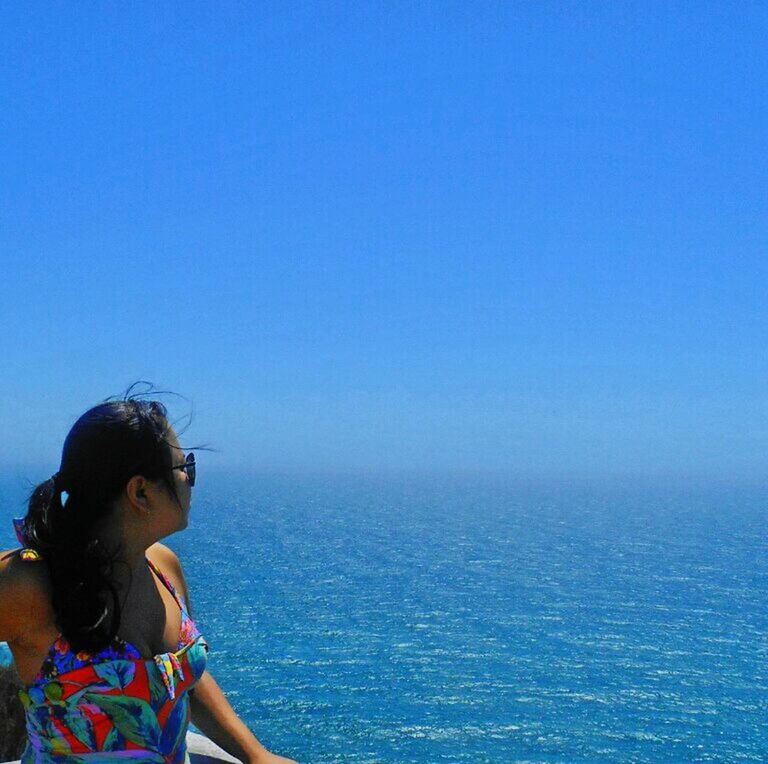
column 425, row 619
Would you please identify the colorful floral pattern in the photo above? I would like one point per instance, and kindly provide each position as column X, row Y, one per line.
column 114, row 705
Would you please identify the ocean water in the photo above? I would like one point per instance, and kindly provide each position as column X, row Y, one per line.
column 426, row 620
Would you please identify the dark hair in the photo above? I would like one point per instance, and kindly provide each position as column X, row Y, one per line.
column 107, row 445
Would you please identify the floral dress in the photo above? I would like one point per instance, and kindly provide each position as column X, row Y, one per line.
column 113, row 705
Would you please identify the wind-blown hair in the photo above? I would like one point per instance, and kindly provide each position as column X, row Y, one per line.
column 107, row 445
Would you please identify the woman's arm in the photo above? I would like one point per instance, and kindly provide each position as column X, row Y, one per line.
column 10, row 627
column 215, row 717
column 211, row 711
column 22, row 599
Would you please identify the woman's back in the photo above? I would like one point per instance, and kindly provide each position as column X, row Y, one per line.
column 125, row 698
column 150, row 619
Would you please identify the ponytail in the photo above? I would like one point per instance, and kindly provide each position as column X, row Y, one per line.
column 79, row 565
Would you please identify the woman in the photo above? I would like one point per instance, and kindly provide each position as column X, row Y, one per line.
column 96, row 610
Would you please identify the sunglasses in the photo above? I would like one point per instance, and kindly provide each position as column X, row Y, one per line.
column 188, row 468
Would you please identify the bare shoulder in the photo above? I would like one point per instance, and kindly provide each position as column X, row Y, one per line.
column 29, row 577
column 25, row 595
column 168, row 562
column 160, row 553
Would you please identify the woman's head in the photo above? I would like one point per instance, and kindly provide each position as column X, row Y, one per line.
column 111, row 443
column 116, row 481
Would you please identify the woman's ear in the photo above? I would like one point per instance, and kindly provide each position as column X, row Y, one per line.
column 136, row 491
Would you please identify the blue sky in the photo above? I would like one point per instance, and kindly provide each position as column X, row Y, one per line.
column 525, row 238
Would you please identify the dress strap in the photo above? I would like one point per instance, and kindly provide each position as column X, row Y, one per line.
column 168, row 585
column 20, row 529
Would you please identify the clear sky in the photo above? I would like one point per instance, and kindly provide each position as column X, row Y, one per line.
column 519, row 237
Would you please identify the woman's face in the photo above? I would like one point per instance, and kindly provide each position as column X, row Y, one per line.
column 148, row 509
column 173, row 515
column 180, row 479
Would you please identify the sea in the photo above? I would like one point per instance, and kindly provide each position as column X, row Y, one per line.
column 425, row 619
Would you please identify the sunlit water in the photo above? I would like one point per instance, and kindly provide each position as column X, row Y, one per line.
column 371, row 620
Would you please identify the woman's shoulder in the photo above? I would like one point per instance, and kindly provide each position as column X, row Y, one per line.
column 25, row 594
column 168, row 562
column 164, row 557
column 21, row 567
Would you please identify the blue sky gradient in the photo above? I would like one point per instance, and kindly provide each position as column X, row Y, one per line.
column 525, row 238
